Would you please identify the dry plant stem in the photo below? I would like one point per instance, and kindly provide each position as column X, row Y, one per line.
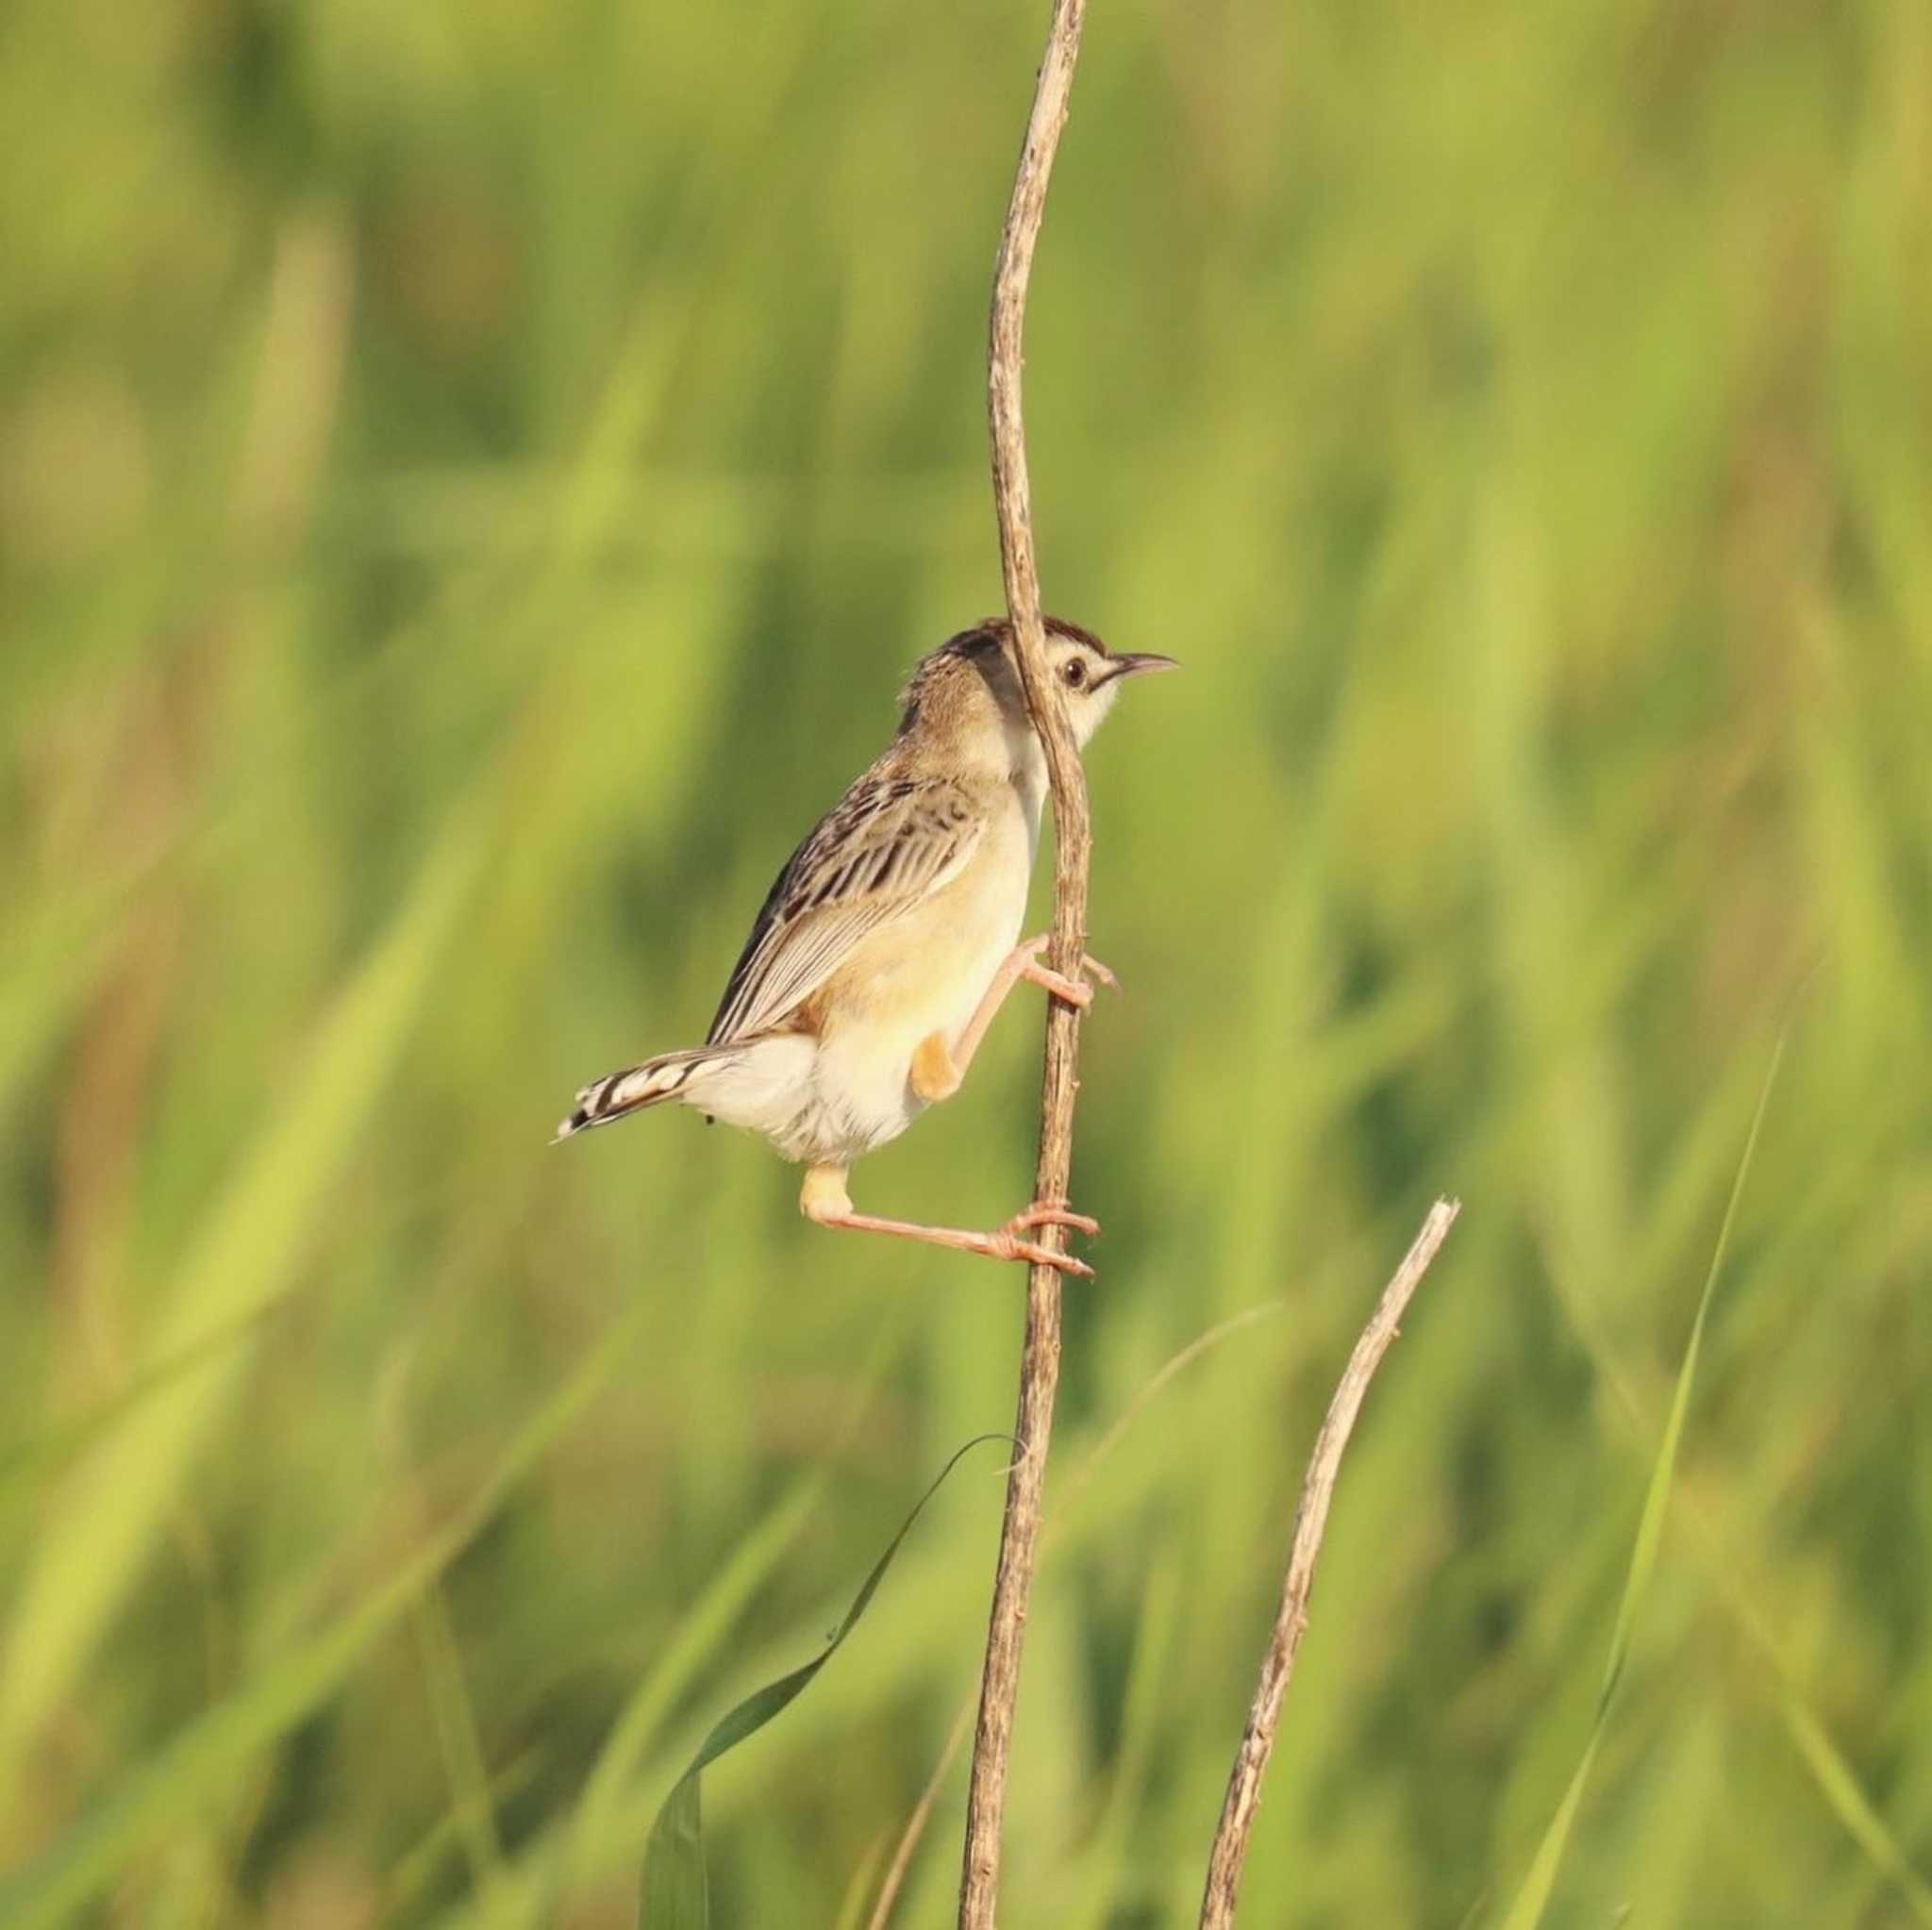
column 1311, row 1517
column 1040, row 1357
column 1069, row 1500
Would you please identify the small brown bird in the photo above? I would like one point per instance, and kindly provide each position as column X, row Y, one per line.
column 888, row 942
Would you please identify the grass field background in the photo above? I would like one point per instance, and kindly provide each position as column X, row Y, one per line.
column 472, row 478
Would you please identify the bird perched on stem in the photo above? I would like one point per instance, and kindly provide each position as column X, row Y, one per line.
column 890, row 940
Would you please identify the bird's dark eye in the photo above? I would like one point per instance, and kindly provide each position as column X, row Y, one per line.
column 1074, row 673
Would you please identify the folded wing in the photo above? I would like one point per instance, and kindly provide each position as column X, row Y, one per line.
column 886, row 847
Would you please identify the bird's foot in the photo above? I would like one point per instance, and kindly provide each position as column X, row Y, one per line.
column 1005, row 1246
column 1100, row 973
column 1075, row 991
column 1048, row 1213
column 1053, row 1213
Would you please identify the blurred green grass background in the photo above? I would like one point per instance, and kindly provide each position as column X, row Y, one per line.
column 470, row 479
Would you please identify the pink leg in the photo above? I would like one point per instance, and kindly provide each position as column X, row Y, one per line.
column 1023, row 961
column 825, row 1203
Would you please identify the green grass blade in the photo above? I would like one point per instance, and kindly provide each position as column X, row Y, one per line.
column 41, row 987
column 1526, row 1913
column 217, row 1749
column 698, row 1635
column 42, row 1454
column 672, row 1895
column 1851, row 1806
column 1657, row 1497
column 1533, row 1898
column 117, row 1499
column 411, row 1876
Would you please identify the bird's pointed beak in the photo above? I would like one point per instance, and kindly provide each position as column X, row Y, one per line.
column 1138, row 663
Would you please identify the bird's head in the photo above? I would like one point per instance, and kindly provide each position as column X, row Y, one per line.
column 1089, row 675
column 956, row 680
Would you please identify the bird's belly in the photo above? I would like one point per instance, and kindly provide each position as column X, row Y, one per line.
column 897, row 991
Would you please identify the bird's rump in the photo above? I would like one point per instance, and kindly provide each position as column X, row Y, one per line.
column 886, row 847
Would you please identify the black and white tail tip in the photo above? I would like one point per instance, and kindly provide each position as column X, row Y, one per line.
column 620, row 1093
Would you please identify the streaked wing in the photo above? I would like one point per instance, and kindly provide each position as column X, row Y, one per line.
column 884, row 847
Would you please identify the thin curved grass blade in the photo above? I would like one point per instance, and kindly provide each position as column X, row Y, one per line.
column 673, row 1893
column 1526, row 1912
column 700, row 1636
column 1852, row 1807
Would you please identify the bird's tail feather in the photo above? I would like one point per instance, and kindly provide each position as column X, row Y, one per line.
column 650, row 1084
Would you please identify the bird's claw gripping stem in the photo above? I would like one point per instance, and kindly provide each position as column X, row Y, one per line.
column 1075, row 991
column 1047, row 1214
